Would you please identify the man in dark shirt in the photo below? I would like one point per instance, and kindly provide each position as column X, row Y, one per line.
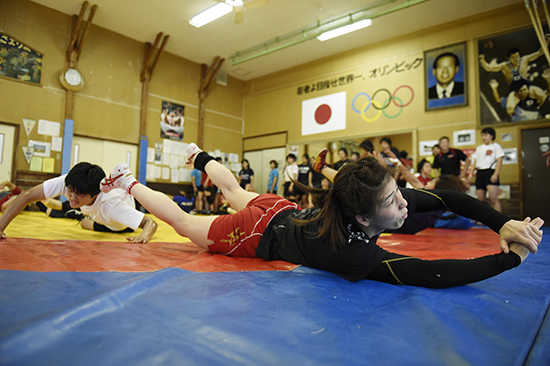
column 448, row 160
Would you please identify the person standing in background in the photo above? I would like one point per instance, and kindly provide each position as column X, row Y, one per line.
column 273, row 179
column 448, row 160
column 290, row 174
column 488, row 162
column 246, row 176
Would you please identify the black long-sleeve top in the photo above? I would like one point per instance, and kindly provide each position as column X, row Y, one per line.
column 284, row 239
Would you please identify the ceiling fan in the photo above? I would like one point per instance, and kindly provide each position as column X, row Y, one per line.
column 239, row 6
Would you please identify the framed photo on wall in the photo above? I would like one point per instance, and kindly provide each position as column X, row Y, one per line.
column 172, row 121
column 513, row 78
column 19, row 62
column 445, row 77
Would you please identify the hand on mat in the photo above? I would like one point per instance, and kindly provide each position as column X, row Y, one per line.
column 138, row 239
column 526, row 233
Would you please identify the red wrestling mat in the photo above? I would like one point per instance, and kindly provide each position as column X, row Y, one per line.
column 95, row 256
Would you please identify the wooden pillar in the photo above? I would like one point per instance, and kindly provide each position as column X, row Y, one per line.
column 208, row 74
column 150, row 60
column 78, row 35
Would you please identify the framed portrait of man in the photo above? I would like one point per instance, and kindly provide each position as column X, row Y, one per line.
column 445, row 77
column 513, row 78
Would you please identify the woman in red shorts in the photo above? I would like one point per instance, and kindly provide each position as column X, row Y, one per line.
column 340, row 234
column 6, row 197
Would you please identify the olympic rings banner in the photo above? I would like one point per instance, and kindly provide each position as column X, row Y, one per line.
column 382, row 102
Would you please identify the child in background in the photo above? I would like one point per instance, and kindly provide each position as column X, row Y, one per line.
column 273, row 179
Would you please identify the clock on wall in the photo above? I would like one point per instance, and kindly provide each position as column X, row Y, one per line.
column 71, row 79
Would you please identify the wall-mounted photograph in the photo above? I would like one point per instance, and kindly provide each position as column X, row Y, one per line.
column 513, row 78
column 19, row 62
column 445, row 77
column 172, row 121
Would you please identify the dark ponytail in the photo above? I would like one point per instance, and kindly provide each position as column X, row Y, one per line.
column 357, row 190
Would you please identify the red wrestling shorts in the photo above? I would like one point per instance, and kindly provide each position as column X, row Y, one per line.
column 238, row 235
column 16, row 191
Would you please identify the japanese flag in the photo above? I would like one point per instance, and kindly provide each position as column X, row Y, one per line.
column 324, row 114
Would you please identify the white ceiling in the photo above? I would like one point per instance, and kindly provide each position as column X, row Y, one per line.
column 143, row 19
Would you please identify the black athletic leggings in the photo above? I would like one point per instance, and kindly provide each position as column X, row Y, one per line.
column 399, row 269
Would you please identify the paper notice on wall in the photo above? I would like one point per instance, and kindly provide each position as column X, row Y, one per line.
column 150, row 174
column 174, row 176
column 165, row 173
column 28, row 124
column 167, row 146
column 233, row 158
column 185, row 175
column 57, row 143
column 48, row 127
column 157, row 172
column 174, row 161
column 48, row 165
column 166, row 159
column 36, row 164
column 510, row 156
column 235, row 167
column 150, row 154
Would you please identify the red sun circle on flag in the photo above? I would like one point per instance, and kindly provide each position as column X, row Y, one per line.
column 322, row 114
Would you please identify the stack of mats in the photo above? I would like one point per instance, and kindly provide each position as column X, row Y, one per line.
column 66, row 301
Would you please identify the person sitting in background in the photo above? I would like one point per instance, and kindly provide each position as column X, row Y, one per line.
column 424, row 169
column 343, row 154
column 7, row 196
column 385, row 146
column 366, row 148
column 355, row 156
column 184, row 201
column 273, row 178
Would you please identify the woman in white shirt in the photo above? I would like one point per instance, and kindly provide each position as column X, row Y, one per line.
column 488, row 162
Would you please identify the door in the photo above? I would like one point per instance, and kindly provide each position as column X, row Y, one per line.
column 106, row 154
column 7, row 136
column 535, row 173
column 259, row 162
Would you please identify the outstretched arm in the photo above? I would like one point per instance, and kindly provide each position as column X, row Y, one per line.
column 511, row 231
column 490, row 67
column 18, row 204
column 149, row 228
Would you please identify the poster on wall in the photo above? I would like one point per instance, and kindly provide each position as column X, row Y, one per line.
column 513, row 77
column 19, row 62
column 445, row 77
column 171, row 121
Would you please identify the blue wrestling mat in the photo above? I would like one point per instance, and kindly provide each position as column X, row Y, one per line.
column 300, row 317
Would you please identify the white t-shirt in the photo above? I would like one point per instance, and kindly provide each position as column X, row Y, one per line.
column 291, row 171
column 486, row 156
column 108, row 209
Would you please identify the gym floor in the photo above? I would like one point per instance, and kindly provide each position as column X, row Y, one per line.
column 70, row 296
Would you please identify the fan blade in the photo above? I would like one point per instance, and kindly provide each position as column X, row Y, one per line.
column 255, row 4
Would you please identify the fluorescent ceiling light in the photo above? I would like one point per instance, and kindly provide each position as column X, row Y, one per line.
column 211, row 14
column 344, row 30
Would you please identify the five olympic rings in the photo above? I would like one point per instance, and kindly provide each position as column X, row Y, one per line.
column 382, row 107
